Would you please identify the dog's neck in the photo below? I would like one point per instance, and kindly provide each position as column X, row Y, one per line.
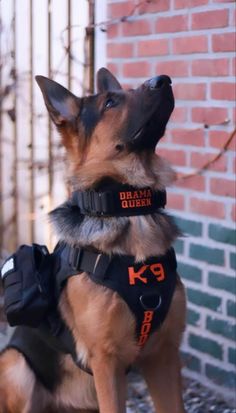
column 140, row 235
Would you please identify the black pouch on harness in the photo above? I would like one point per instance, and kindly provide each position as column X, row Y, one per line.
column 26, row 277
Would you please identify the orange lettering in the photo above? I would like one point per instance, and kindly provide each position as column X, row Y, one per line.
column 146, row 327
column 124, row 204
column 132, row 204
column 143, row 194
column 158, row 271
column 137, row 275
column 148, row 316
column 142, row 340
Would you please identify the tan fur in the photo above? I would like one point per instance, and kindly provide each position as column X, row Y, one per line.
column 101, row 322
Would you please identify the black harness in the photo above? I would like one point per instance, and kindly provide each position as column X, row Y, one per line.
column 146, row 287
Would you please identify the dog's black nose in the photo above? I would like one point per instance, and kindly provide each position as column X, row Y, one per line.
column 158, row 81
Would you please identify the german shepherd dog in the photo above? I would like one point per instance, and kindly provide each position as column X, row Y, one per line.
column 112, row 134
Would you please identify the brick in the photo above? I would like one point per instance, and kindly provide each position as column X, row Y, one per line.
column 222, row 234
column 210, row 67
column 179, row 115
column 210, row 255
column 179, row 246
column 198, row 160
column 158, row 47
column 171, row 24
column 189, row 227
column 217, row 139
column 191, row 362
column 120, row 50
column 222, row 282
column 175, row 201
column 223, row 91
column 113, row 68
column 154, row 6
column 182, row 4
column 112, row 31
column 176, row 157
column 127, row 86
column 232, row 259
column 193, row 137
column 203, row 299
column 221, row 377
column 232, row 355
column 233, row 212
column 190, row 272
column 222, row 187
column 221, row 327
column 224, row 42
column 193, row 317
column 174, row 68
column 234, row 67
column 116, row 10
column 136, row 69
column 231, row 308
column 206, row 207
column 136, row 27
column 195, row 182
column 210, row 115
column 188, row 91
column 206, row 345
column 190, row 44
column 210, row 19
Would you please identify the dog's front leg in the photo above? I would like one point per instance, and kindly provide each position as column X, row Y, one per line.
column 162, row 375
column 110, row 383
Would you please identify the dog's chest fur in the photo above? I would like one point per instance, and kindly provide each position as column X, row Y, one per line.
column 139, row 236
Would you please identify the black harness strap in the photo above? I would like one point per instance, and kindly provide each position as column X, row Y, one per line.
column 41, row 357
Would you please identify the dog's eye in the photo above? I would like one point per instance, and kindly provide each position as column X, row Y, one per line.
column 110, row 103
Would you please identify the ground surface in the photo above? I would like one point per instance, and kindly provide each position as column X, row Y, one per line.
column 197, row 399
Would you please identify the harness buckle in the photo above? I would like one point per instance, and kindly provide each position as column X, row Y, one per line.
column 75, row 256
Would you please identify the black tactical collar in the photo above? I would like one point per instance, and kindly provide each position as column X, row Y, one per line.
column 111, row 198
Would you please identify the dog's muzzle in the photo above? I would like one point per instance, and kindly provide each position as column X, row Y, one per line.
column 153, row 112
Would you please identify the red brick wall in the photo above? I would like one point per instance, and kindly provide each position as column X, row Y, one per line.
column 193, row 42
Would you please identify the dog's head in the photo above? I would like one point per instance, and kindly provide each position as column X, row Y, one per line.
column 113, row 133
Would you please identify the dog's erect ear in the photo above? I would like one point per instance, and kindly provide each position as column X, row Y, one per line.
column 62, row 105
column 106, row 81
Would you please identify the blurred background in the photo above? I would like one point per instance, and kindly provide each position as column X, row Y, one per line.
column 193, row 41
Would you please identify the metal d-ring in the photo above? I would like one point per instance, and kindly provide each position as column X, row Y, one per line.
column 148, row 308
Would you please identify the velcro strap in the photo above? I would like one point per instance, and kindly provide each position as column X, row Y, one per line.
column 127, row 201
